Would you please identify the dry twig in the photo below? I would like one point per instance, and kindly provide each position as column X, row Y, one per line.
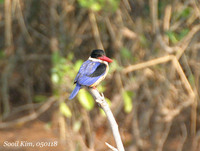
column 22, row 23
column 104, row 105
column 146, row 64
column 95, row 30
column 30, row 117
column 111, row 147
column 182, row 75
column 8, row 23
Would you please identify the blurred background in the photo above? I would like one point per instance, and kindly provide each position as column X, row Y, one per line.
column 152, row 86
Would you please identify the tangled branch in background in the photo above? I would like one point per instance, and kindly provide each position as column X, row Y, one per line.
column 167, row 88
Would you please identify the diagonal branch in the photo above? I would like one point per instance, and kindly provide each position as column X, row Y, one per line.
column 104, row 105
column 30, row 117
column 146, row 64
column 95, row 30
column 111, row 147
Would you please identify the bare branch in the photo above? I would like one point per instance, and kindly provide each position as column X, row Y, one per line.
column 111, row 147
column 147, row 64
column 30, row 117
column 8, row 23
column 95, row 30
column 22, row 23
column 104, row 105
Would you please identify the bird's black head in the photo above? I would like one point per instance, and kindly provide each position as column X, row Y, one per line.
column 100, row 54
column 97, row 53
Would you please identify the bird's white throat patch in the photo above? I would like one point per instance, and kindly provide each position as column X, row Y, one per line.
column 97, row 60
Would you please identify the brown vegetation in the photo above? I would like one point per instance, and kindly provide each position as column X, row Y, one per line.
column 156, row 47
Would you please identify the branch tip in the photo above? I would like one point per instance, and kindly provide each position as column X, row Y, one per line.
column 111, row 147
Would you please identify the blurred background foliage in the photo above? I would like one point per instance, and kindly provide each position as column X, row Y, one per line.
column 43, row 44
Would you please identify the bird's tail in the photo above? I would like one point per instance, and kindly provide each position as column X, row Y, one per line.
column 75, row 91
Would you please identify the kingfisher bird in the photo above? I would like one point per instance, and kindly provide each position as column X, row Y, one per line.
column 92, row 71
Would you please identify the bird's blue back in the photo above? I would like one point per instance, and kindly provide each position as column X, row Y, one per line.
column 86, row 69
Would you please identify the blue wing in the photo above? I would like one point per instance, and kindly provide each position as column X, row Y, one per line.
column 83, row 76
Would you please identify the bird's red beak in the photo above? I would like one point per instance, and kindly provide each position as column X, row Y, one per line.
column 104, row 58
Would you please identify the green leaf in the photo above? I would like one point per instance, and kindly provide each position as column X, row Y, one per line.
column 172, row 36
column 78, row 65
column 39, row 98
column 86, row 99
column 77, row 126
column 183, row 33
column 186, row 12
column 64, row 109
column 47, row 126
column 2, row 54
column 175, row 37
column 127, row 96
column 70, row 56
column 114, row 66
column 114, row 4
column 1, row 1
column 97, row 5
column 192, row 79
column 61, row 68
column 55, row 78
column 125, row 53
column 55, row 57
column 143, row 41
column 101, row 88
